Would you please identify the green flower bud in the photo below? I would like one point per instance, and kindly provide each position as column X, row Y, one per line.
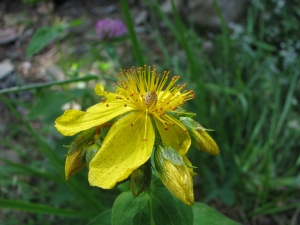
column 140, row 179
column 82, row 140
column 82, row 150
column 90, row 152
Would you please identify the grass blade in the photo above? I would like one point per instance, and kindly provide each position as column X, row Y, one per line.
column 48, row 84
column 29, row 171
column 132, row 35
column 287, row 104
column 42, row 209
column 75, row 185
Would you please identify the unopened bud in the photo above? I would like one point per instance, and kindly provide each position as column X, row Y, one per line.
column 90, row 152
column 140, row 179
column 73, row 164
column 179, row 182
column 78, row 155
column 177, row 177
column 200, row 138
column 82, row 140
column 206, row 143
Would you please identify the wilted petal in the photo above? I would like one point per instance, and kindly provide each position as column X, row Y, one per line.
column 73, row 163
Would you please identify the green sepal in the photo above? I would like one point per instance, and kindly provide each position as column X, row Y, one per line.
column 98, row 139
column 82, row 140
column 191, row 125
column 172, row 155
column 140, row 179
column 163, row 152
column 103, row 132
column 157, row 134
column 180, row 112
column 159, row 162
column 90, row 152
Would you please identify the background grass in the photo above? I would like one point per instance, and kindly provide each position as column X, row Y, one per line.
column 247, row 90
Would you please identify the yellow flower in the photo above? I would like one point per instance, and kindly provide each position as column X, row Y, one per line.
column 140, row 105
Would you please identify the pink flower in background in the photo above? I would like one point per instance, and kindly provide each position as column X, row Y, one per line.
column 108, row 28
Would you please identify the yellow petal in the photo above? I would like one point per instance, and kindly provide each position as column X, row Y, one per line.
column 99, row 90
column 74, row 121
column 206, row 143
column 73, row 164
column 176, row 136
column 122, row 151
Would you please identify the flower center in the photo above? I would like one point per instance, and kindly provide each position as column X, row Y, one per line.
column 150, row 99
column 149, row 92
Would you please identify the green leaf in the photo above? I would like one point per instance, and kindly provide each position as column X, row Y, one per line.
column 42, row 37
column 205, row 215
column 124, row 186
column 41, row 209
column 158, row 207
column 102, row 219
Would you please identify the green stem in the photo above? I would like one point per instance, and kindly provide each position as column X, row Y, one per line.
column 132, row 35
column 184, row 42
column 225, row 36
column 48, row 84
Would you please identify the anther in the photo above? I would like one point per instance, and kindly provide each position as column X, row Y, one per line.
column 103, row 100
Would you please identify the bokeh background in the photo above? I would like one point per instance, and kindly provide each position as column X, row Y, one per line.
column 241, row 58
